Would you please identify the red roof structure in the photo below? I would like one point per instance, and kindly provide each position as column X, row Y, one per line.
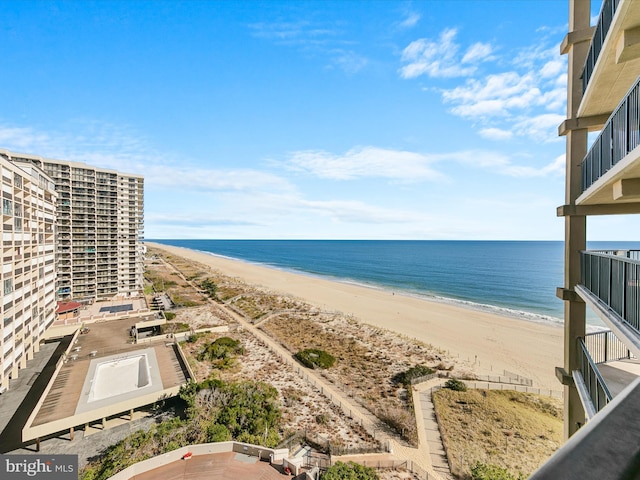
column 64, row 307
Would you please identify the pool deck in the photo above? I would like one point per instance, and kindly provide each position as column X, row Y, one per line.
column 104, row 339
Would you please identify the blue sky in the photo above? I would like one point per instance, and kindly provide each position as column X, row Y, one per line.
column 321, row 119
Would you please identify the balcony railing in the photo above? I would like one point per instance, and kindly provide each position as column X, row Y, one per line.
column 604, row 347
column 614, row 278
column 607, row 13
column 596, row 387
column 620, row 135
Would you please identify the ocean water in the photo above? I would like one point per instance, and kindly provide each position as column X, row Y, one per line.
column 515, row 278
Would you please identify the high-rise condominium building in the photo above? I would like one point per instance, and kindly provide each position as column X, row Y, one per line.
column 99, row 229
column 28, row 263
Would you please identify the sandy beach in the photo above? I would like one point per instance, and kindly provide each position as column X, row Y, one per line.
column 492, row 342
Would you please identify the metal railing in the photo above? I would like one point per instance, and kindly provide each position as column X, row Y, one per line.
column 607, row 13
column 605, row 347
column 614, row 278
column 595, row 384
column 620, row 135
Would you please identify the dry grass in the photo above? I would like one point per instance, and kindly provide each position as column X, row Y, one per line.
column 514, row 430
column 367, row 357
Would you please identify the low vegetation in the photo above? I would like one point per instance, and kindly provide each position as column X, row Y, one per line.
column 315, row 358
column 174, row 327
column 483, row 471
column 455, row 385
column 215, row 411
column 349, row 471
column 209, row 287
column 493, row 430
column 221, row 352
column 417, row 371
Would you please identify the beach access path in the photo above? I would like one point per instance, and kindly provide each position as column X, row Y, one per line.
column 398, row 448
column 490, row 341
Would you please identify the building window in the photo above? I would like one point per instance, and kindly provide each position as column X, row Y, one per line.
column 8, row 286
column 17, row 224
column 17, row 180
column 7, row 207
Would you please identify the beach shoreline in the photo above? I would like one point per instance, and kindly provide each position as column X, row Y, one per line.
column 491, row 341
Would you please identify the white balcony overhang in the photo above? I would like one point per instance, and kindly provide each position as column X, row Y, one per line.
column 618, row 64
column 621, row 184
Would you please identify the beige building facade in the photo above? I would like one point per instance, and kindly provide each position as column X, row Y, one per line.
column 28, row 263
column 100, row 215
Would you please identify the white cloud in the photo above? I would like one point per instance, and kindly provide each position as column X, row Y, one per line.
column 411, row 20
column 557, row 167
column 177, row 176
column 434, row 58
column 524, row 100
column 349, row 61
column 496, row 134
column 365, row 162
column 373, row 162
column 477, row 52
column 540, row 127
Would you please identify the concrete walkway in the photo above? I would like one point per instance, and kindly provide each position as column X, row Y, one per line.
column 430, row 433
column 370, row 422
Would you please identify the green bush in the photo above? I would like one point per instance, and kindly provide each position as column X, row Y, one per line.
column 314, row 358
column 216, row 411
column 208, row 286
column 414, row 372
column 349, row 471
column 487, row 471
column 169, row 315
column 221, row 352
column 456, row 385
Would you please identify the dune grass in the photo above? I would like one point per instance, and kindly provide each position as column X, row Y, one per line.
column 514, row 430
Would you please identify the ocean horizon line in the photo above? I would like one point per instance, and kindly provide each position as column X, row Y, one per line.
column 512, row 278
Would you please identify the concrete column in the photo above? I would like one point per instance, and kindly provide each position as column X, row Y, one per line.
column 71, row 434
column 575, row 225
column 131, row 414
column 104, row 423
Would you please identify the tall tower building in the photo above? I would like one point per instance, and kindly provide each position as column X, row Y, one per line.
column 28, row 263
column 100, row 229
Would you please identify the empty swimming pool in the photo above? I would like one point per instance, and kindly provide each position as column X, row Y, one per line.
column 119, row 376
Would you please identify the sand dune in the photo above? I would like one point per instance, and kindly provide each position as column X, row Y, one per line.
column 494, row 342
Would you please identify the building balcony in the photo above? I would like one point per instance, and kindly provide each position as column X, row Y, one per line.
column 607, row 367
column 611, row 168
column 610, row 286
column 613, row 58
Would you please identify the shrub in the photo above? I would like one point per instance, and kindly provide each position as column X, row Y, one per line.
column 208, row 286
column 221, row 352
column 456, row 385
column 314, row 358
column 414, row 372
column 169, row 315
column 350, row 471
column 488, row 471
